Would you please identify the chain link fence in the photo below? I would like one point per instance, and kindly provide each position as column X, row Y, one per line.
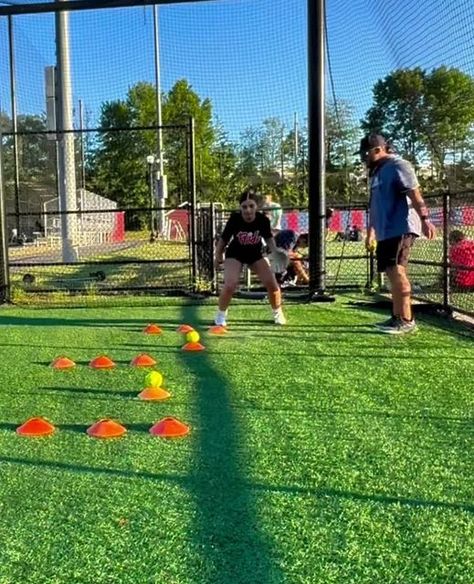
column 76, row 230
column 348, row 265
column 110, row 256
column 75, row 224
column 442, row 270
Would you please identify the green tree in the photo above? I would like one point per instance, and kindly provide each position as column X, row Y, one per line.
column 37, row 158
column 271, row 146
column 341, row 134
column 449, row 104
column 250, row 163
column 225, row 178
column 265, row 155
column 179, row 104
column 117, row 166
column 36, row 154
column 6, row 146
column 398, row 111
column 429, row 115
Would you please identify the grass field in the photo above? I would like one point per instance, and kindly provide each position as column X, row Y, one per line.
column 319, row 453
column 348, row 268
column 130, row 274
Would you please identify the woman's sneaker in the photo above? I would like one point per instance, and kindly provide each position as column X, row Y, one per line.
column 221, row 317
column 279, row 317
column 398, row 326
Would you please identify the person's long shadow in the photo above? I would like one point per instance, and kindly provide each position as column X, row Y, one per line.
column 227, row 530
column 129, row 324
column 423, row 313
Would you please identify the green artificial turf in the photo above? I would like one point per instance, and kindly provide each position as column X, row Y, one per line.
column 321, row 452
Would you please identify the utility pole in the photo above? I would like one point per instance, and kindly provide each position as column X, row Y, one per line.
column 161, row 179
column 11, row 46
column 66, row 158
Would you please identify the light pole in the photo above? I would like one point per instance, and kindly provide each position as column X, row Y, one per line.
column 66, row 154
column 161, row 183
column 151, row 177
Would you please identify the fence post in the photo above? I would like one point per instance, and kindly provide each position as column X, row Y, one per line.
column 192, row 188
column 316, row 152
column 4, row 271
column 212, row 221
column 446, row 266
column 13, row 100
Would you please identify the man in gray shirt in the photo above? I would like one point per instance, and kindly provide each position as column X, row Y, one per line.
column 398, row 215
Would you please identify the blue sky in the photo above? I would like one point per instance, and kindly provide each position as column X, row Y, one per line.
column 247, row 56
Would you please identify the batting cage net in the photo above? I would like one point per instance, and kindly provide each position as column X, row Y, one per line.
column 129, row 131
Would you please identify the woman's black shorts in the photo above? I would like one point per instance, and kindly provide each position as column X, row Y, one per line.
column 244, row 256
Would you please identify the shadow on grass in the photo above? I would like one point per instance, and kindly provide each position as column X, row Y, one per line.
column 346, row 356
column 83, row 469
column 88, row 392
column 137, row 324
column 227, row 528
column 71, row 347
column 371, row 498
column 321, row 412
column 424, row 313
column 247, row 323
column 226, row 535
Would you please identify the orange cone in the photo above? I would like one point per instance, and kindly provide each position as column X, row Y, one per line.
column 106, row 429
column 218, row 330
column 63, row 363
column 102, row 362
column 193, row 347
column 169, row 428
column 152, row 329
column 35, row 427
column 184, row 328
column 143, row 360
column 153, row 393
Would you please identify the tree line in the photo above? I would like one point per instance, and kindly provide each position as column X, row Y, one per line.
column 428, row 115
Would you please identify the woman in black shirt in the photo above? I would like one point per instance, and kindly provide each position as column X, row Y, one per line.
column 242, row 240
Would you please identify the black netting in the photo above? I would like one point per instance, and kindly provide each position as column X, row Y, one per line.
column 240, row 69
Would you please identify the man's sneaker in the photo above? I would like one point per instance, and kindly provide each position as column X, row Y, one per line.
column 279, row 317
column 399, row 327
column 386, row 323
column 221, row 317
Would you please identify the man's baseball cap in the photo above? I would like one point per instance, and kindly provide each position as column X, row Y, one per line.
column 371, row 141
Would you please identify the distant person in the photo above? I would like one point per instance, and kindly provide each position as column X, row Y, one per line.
column 461, row 259
column 296, row 273
column 329, row 215
column 398, row 215
column 273, row 211
column 355, row 234
column 39, row 227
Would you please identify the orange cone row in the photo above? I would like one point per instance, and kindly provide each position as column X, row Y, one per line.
column 104, row 362
column 106, row 428
column 143, row 360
